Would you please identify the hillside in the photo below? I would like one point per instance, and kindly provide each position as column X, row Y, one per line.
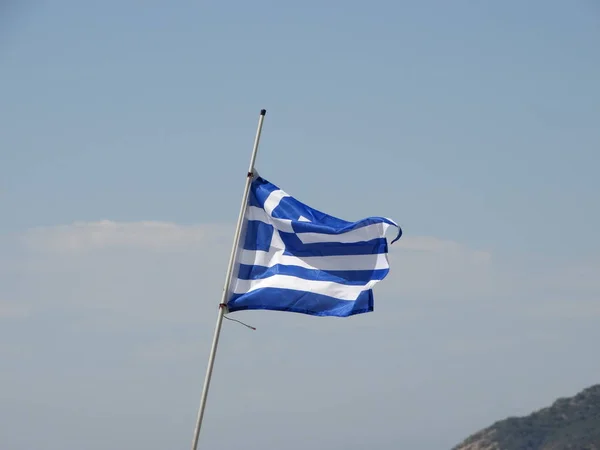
column 570, row 423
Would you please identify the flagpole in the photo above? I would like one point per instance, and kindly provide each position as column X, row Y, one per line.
column 223, row 304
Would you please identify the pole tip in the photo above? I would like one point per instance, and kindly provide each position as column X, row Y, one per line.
column 263, row 112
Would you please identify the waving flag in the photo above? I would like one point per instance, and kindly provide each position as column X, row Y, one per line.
column 295, row 258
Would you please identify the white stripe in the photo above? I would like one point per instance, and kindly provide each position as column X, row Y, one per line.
column 367, row 233
column 344, row 262
column 273, row 200
column 339, row 291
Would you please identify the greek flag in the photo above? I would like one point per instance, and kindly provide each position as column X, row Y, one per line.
column 292, row 257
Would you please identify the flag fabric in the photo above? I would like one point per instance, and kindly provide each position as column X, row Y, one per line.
column 294, row 258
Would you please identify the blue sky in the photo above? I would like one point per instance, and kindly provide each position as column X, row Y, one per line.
column 473, row 125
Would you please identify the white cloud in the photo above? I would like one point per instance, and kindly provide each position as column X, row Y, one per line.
column 150, row 235
column 441, row 270
column 138, row 271
column 584, row 278
column 142, row 269
column 153, row 235
column 166, row 271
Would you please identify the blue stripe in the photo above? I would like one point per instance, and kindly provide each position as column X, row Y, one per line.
column 258, row 235
column 348, row 277
column 295, row 247
column 277, row 299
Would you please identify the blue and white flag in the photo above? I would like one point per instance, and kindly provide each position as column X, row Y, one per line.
column 294, row 258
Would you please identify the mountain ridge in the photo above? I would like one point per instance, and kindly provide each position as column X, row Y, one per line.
column 569, row 423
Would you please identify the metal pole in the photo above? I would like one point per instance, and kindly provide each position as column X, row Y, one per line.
column 222, row 305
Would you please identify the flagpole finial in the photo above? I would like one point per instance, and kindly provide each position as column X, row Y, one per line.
column 263, row 112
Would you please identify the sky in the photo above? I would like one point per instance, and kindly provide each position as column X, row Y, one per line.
column 125, row 135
